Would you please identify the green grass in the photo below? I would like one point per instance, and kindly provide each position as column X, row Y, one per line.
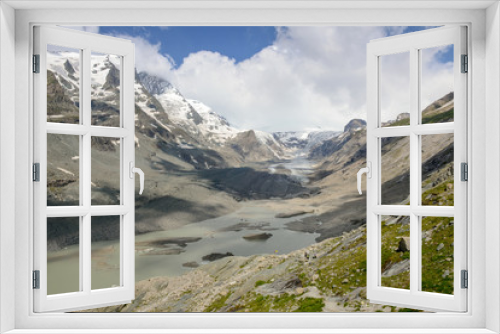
column 391, row 235
column 402, row 122
column 342, row 270
column 259, row 283
column 404, row 309
column 259, row 303
column 435, row 263
column 284, row 302
column 443, row 117
column 311, row 305
column 217, row 304
column 440, row 195
column 333, row 271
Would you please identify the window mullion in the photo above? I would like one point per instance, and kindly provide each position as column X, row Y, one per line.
column 86, row 162
column 414, row 170
column 82, row 263
column 85, row 256
column 86, row 117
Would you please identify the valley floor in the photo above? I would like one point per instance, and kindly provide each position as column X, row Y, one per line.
column 328, row 276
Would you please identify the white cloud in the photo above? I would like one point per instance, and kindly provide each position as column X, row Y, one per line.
column 149, row 59
column 310, row 77
column 437, row 77
column 436, row 81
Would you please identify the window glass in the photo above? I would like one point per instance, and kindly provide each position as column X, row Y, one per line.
column 395, row 251
column 63, row 170
column 394, row 89
column 395, row 169
column 63, row 255
column 438, row 170
column 105, row 89
column 437, row 85
column 437, row 254
column 105, row 252
column 63, row 84
column 105, row 184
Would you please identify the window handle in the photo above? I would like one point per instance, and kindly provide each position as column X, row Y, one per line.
column 141, row 175
column 368, row 171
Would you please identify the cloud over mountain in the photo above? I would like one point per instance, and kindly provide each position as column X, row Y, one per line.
column 309, row 77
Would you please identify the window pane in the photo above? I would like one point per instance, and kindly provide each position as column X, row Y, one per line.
column 63, row 170
column 437, row 254
column 395, row 89
column 105, row 83
column 395, row 170
column 105, row 252
column 395, row 251
column 436, row 99
column 437, row 170
column 63, row 255
column 105, row 171
column 63, row 84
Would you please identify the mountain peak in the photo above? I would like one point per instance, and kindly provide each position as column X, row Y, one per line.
column 112, row 78
column 354, row 124
column 155, row 85
column 68, row 67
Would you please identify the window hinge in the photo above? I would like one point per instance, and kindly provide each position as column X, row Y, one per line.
column 36, row 172
column 464, row 171
column 465, row 64
column 36, row 63
column 36, row 279
column 465, row 279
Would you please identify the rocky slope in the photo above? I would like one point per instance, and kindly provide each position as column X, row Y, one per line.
column 256, row 146
column 303, row 280
column 328, row 276
column 339, row 158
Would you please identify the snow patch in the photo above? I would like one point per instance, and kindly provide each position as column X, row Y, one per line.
column 65, row 171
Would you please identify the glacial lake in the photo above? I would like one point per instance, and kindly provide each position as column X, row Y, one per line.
column 214, row 239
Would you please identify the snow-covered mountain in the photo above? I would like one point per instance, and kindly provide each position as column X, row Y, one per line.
column 214, row 126
column 167, row 115
column 192, row 115
column 304, row 140
column 257, row 146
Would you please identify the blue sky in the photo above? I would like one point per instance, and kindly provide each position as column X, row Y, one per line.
column 178, row 42
column 239, row 43
column 279, row 78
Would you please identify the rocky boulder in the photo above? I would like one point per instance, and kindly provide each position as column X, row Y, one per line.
column 216, row 256
column 404, row 244
column 257, row 236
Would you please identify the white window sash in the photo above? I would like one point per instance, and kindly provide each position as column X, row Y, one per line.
column 414, row 297
column 85, row 298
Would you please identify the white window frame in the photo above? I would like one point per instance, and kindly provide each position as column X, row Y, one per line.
column 482, row 316
column 85, row 297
